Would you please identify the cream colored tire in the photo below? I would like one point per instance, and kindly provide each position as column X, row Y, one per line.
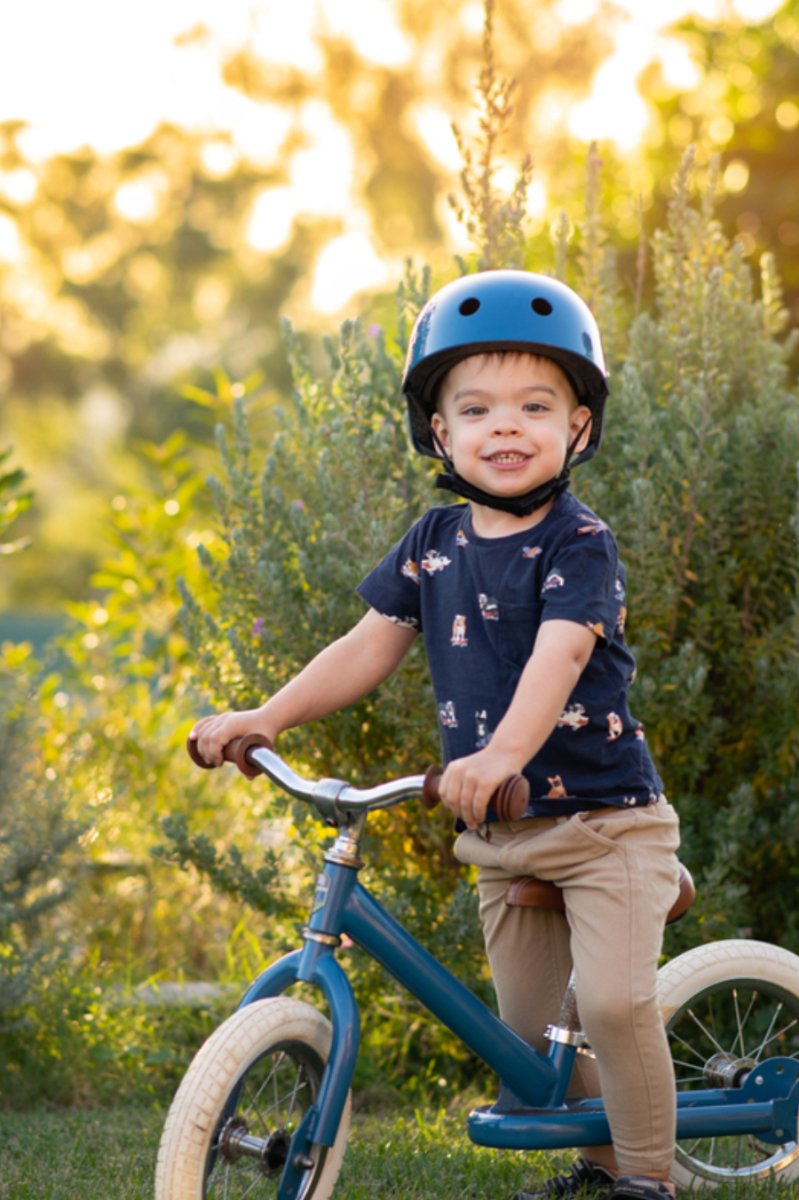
column 730, row 1004
column 273, row 1050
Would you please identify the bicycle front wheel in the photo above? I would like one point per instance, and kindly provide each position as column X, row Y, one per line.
column 228, row 1132
column 728, row 1006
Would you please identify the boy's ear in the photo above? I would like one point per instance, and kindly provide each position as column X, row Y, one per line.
column 439, row 427
column 580, row 426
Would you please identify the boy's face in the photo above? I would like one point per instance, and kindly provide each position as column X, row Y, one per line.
column 506, row 421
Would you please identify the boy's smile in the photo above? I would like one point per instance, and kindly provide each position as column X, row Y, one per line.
column 506, row 421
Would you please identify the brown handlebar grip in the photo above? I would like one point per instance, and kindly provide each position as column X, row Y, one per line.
column 509, row 801
column 511, row 798
column 430, row 794
column 234, row 752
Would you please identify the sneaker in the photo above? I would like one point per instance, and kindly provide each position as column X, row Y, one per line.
column 583, row 1179
column 639, row 1187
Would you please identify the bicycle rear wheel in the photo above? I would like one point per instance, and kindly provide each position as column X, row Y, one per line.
column 228, row 1132
column 728, row 1006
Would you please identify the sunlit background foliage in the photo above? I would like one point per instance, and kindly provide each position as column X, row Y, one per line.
column 129, row 271
column 143, row 286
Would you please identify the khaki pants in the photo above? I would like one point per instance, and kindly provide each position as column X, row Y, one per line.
column 619, row 873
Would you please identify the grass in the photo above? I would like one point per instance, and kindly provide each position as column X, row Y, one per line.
column 74, row 1154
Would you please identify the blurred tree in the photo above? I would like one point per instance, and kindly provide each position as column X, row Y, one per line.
column 14, row 500
column 397, row 110
column 745, row 107
column 125, row 277
column 134, row 275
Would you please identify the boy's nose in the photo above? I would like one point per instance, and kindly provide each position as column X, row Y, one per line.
column 505, row 423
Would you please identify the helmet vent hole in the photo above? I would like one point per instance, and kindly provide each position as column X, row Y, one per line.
column 541, row 306
column 588, row 344
column 469, row 307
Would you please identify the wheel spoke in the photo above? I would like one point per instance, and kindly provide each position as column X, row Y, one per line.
column 299, row 1083
column 718, row 1033
column 700, row 1024
column 772, row 1036
column 738, row 1022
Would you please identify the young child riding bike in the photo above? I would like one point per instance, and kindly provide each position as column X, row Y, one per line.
column 520, row 598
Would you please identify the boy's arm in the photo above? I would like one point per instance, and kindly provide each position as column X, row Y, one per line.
column 560, row 654
column 342, row 673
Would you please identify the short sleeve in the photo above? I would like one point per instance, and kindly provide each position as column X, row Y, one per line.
column 585, row 582
column 393, row 588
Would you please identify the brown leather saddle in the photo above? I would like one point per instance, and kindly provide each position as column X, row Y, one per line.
column 526, row 892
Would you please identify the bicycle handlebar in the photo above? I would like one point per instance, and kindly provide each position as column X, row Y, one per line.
column 254, row 754
column 509, row 801
column 234, row 752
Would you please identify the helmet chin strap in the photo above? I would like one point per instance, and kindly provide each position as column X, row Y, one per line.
column 518, row 506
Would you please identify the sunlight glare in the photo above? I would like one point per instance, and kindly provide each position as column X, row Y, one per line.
column 321, row 173
column 114, row 74
column 614, row 109
column 434, row 127
column 756, row 11
column 736, row 175
column 271, row 219
column 371, row 28
column 347, row 265
column 276, row 33
column 472, row 17
column 18, row 185
column 537, row 199
column 10, row 242
column 787, row 114
column 218, row 159
column 679, row 69
column 138, row 199
column 575, row 12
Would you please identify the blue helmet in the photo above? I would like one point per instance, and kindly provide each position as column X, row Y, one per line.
column 503, row 310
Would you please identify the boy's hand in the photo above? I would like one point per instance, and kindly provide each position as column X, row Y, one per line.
column 468, row 783
column 212, row 734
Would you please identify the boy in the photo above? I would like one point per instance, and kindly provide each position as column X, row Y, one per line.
column 520, row 598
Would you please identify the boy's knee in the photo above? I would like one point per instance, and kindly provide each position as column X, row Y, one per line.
column 611, row 1012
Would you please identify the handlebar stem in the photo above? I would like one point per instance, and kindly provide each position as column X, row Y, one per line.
column 346, row 850
column 325, row 795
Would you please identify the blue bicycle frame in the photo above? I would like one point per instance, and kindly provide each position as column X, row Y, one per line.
column 766, row 1105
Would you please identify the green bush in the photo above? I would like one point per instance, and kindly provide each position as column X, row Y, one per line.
column 698, row 478
column 39, row 855
column 88, row 1040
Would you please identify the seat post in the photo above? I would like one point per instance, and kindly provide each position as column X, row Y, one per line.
column 569, row 1030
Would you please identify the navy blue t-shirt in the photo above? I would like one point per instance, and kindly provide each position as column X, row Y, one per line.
column 479, row 602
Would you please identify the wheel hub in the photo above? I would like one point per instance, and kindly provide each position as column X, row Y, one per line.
column 236, row 1142
column 727, row 1071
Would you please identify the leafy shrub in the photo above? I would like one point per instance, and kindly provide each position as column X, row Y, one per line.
column 39, row 858
column 86, row 1040
column 14, row 500
column 698, row 478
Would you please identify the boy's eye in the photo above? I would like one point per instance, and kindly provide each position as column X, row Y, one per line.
column 535, row 406
column 473, row 410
